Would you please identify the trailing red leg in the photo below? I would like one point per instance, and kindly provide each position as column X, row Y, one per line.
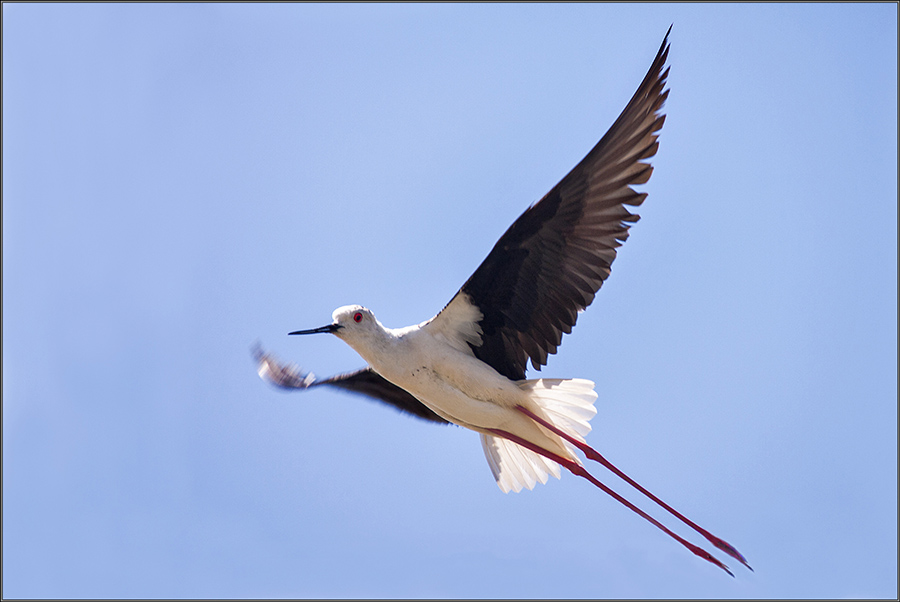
column 593, row 454
column 579, row 470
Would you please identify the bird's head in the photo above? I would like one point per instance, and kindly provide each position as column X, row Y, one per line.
column 354, row 324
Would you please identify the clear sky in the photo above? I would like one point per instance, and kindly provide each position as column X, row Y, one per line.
column 183, row 180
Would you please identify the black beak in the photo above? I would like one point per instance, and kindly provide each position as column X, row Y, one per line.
column 329, row 328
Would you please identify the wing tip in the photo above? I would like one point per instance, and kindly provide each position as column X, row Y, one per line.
column 283, row 376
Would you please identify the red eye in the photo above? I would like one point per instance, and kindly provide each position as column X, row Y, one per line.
column 357, row 317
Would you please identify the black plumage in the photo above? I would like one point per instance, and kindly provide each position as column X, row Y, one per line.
column 553, row 259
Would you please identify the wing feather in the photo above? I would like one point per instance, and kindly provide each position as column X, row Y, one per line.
column 554, row 258
column 365, row 381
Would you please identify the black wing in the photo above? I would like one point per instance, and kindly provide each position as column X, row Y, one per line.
column 364, row 381
column 554, row 258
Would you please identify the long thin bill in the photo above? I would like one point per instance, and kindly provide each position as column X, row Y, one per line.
column 320, row 329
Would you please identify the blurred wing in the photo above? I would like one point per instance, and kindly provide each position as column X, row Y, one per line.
column 364, row 381
column 553, row 259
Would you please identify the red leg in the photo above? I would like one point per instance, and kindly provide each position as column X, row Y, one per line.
column 579, row 470
column 593, row 454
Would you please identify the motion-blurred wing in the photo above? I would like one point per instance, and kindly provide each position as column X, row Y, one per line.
column 364, row 381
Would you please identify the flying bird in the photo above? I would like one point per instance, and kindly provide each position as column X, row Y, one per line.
column 467, row 364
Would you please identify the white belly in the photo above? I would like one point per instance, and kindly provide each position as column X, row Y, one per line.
column 456, row 386
column 464, row 390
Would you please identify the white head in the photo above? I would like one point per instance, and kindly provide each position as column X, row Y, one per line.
column 353, row 324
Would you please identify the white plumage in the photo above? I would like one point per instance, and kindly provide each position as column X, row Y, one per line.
column 569, row 405
column 434, row 362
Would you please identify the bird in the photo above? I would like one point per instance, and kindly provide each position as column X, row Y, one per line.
column 467, row 364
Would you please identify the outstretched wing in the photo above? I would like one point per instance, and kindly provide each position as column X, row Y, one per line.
column 365, row 381
column 553, row 259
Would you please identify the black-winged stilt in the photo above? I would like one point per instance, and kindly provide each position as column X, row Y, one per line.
column 467, row 364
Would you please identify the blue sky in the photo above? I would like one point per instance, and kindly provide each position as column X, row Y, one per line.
column 181, row 181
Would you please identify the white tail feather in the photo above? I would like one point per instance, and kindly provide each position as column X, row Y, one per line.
column 514, row 466
column 569, row 405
